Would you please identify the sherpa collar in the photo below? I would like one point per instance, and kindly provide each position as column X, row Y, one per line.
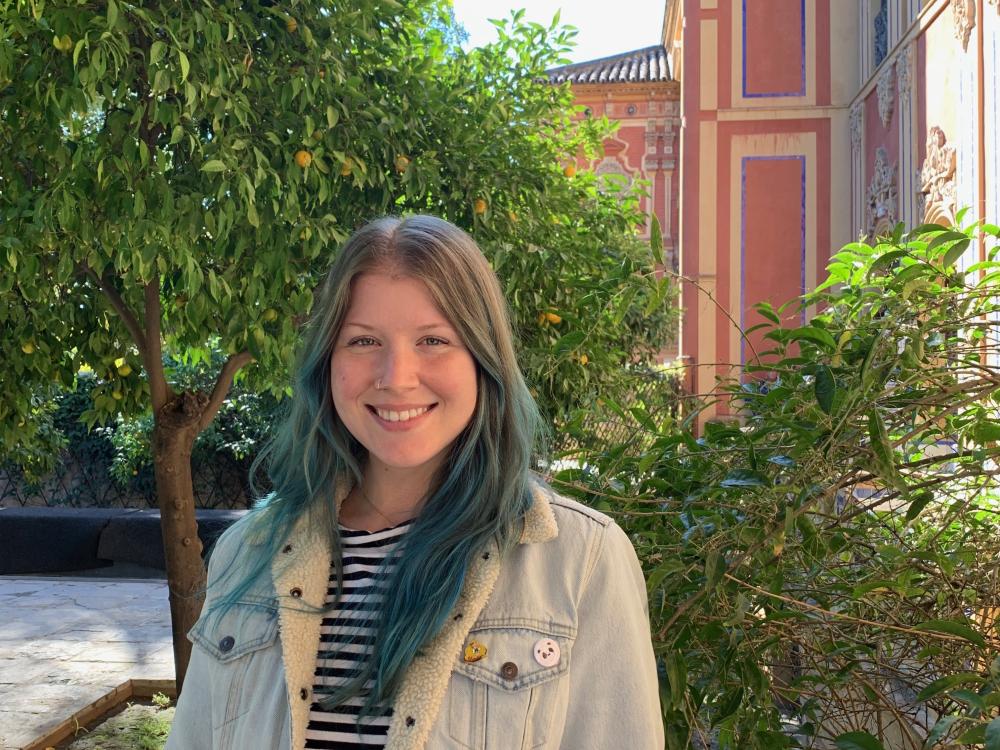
column 301, row 574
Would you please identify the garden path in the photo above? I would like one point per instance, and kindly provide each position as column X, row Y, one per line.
column 66, row 642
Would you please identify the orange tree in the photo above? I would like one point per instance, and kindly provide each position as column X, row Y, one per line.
column 174, row 176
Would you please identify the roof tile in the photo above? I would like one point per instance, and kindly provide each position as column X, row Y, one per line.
column 645, row 65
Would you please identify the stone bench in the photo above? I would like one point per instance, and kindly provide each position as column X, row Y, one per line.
column 98, row 541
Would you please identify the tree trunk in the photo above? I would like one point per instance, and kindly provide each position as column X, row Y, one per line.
column 175, row 429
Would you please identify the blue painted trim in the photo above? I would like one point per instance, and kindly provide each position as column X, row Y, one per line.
column 801, row 158
column 767, row 94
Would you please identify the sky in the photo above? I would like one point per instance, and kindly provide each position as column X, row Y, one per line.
column 604, row 28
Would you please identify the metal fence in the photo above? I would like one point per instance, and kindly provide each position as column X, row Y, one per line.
column 85, row 481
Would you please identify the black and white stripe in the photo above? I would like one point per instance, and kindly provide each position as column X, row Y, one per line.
column 346, row 642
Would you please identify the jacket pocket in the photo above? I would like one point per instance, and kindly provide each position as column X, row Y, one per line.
column 513, row 697
column 234, row 639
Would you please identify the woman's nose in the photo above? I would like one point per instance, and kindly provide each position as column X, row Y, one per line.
column 398, row 368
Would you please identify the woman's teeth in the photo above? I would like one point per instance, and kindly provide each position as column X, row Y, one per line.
column 400, row 416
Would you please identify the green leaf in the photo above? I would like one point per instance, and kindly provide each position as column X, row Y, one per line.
column 974, row 736
column 940, row 729
column 986, row 432
column 112, row 13
column 744, row 478
column 955, row 252
column 993, row 735
column 213, row 166
column 825, row 387
column 857, row 741
column 668, row 567
column 185, row 64
column 947, row 682
column 943, row 237
column 880, row 442
column 953, row 628
column 331, row 115
column 884, row 261
column 812, row 333
column 656, row 239
column 918, row 503
column 715, row 566
column 569, row 342
column 767, row 311
column 677, row 677
column 156, row 51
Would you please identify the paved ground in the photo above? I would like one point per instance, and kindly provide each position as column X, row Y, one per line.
column 65, row 642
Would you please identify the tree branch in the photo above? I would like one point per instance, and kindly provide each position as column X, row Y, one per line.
column 152, row 357
column 222, row 385
column 127, row 316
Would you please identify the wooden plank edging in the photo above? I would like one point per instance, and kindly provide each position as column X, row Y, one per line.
column 127, row 691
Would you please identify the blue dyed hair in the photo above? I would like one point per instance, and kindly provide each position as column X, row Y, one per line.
column 481, row 491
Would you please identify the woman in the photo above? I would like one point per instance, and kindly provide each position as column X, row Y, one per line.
column 410, row 583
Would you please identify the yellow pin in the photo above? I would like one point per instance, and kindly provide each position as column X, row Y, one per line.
column 474, row 651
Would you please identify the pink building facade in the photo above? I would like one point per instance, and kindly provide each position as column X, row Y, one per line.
column 809, row 123
column 638, row 90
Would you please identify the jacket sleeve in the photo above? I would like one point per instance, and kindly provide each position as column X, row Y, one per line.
column 191, row 728
column 614, row 694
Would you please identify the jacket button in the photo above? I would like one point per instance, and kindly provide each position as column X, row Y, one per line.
column 303, row 693
column 509, row 670
column 226, row 644
column 296, row 593
column 410, row 721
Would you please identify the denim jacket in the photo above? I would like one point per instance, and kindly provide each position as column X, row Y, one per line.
column 569, row 661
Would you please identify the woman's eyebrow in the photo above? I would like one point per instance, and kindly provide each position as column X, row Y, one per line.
column 426, row 327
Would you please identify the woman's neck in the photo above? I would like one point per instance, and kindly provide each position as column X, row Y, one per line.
column 388, row 496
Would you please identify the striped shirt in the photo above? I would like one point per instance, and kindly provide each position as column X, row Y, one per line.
column 343, row 644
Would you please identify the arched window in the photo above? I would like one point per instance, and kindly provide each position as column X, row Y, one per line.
column 881, row 31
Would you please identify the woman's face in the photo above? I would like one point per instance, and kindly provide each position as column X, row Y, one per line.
column 394, row 335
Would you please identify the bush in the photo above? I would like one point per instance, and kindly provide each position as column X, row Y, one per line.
column 822, row 565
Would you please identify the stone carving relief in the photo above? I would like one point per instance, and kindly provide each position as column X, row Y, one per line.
column 936, row 195
column 612, row 166
column 904, row 81
column 882, row 195
column 886, row 93
column 857, row 120
column 964, row 14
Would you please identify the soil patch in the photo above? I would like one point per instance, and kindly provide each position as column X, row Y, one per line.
column 137, row 725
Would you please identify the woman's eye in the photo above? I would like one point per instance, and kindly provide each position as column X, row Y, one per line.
column 361, row 341
column 435, row 341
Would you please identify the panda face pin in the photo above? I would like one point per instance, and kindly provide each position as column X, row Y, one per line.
column 546, row 652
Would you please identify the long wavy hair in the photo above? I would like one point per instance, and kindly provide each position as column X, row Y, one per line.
column 481, row 491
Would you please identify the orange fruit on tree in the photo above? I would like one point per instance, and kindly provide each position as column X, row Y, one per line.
column 553, row 318
column 402, row 162
column 570, row 170
column 317, row 135
column 512, row 215
column 292, row 25
column 303, row 158
column 479, row 206
column 270, row 314
column 584, row 359
column 28, row 347
column 346, row 167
